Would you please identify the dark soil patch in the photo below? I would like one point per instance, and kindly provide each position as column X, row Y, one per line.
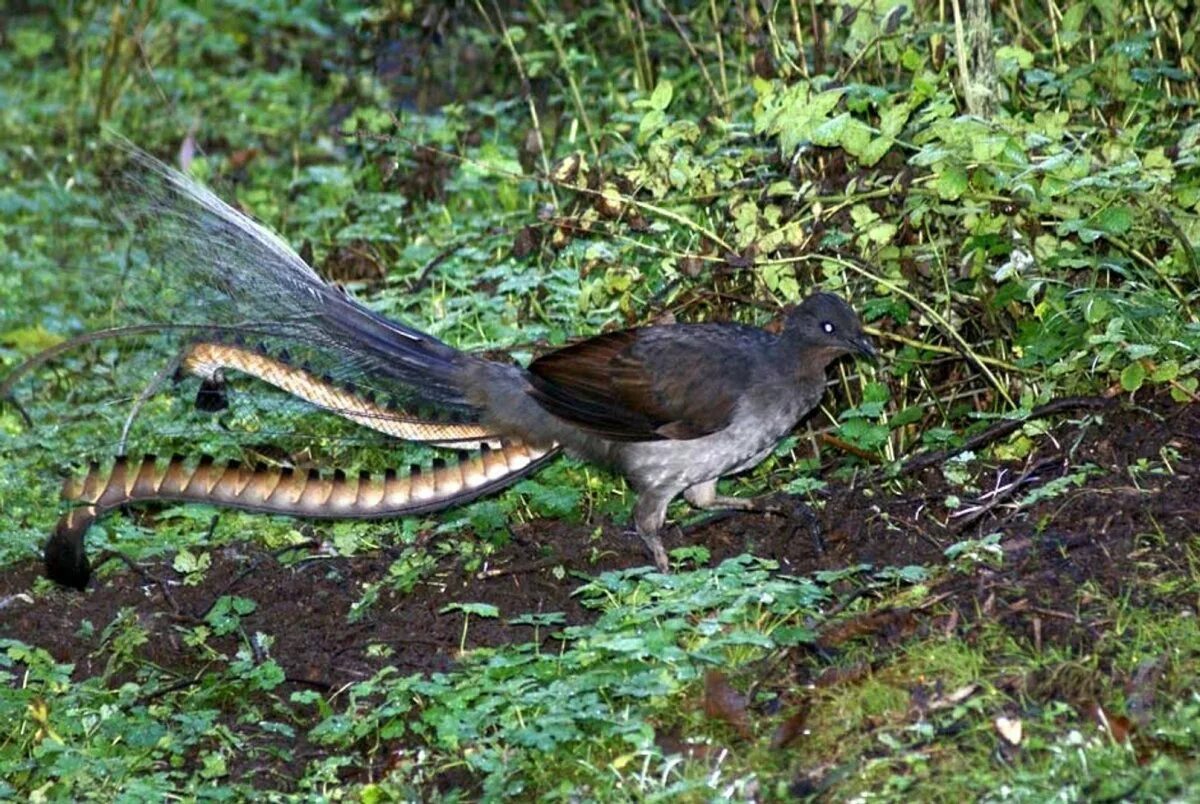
column 1122, row 527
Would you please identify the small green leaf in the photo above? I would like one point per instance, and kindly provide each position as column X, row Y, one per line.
column 1114, row 220
column 909, row 415
column 1137, row 351
column 186, row 562
column 29, row 340
column 30, row 42
column 1072, row 19
column 1096, row 310
column 881, row 233
column 861, row 215
column 661, row 98
column 1185, row 389
column 863, row 433
column 1165, row 371
column 650, row 125
column 478, row 609
column 781, row 187
column 1133, row 376
column 951, row 183
column 793, row 635
column 1021, row 57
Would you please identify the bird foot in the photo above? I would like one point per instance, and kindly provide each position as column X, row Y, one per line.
column 654, row 547
column 798, row 512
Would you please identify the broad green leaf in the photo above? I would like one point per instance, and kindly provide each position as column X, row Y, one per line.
column 856, row 137
column 893, row 118
column 829, row 133
column 875, row 150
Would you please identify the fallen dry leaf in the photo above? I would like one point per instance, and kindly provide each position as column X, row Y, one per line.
column 789, row 729
column 1010, row 729
column 889, row 624
column 723, row 702
column 952, row 699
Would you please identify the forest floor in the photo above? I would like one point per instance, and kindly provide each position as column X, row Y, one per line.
column 1116, row 524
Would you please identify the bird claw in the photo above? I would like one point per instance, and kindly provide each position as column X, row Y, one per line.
column 793, row 508
column 654, row 547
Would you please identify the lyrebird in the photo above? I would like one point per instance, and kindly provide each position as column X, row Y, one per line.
column 672, row 408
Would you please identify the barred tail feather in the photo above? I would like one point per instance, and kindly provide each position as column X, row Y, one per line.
column 277, row 490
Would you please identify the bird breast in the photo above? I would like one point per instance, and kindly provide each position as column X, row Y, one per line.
column 760, row 421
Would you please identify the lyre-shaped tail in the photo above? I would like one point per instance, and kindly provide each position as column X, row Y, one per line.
column 277, row 490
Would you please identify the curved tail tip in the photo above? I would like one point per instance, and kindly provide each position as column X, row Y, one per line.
column 66, row 560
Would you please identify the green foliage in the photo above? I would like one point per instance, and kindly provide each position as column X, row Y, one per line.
column 602, row 694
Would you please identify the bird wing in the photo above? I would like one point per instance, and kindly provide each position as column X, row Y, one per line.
column 671, row 382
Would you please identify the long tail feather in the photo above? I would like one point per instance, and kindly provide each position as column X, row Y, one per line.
column 276, row 491
column 208, row 360
column 233, row 272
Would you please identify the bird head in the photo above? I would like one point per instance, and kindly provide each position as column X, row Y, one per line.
column 828, row 324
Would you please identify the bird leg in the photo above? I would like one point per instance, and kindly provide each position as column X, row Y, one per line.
column 648, row 516
column 704, row 496
column 651, row 511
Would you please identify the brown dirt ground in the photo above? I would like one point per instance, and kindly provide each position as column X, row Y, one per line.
column 1119, row 529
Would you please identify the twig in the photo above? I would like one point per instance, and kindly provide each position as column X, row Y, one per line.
column 46, row 355
column 518, row 569
column 443, row 255
column 526, row 89
column 1004, row 428
column 254, row 565
column 146, row 576
column 846, row 446
column 153, row 387
column 712, row 88
column 174, row 686
column 999, row 495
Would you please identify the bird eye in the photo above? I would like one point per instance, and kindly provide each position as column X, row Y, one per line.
column 825, row 325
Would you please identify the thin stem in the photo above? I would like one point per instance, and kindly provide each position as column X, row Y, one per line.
column 526, row 90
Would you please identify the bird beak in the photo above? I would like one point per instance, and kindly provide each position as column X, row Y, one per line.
column 863, row 346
